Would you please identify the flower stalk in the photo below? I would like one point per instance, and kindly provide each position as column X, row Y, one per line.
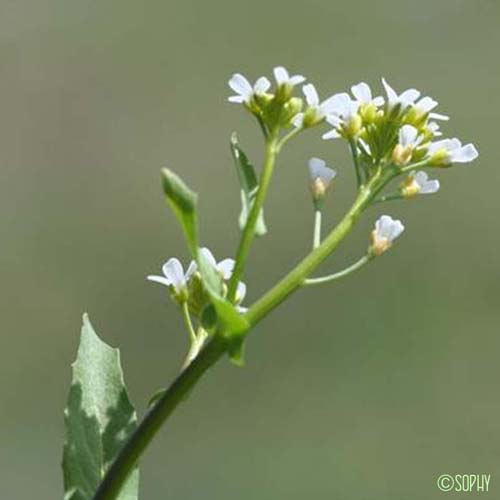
column 249, row 229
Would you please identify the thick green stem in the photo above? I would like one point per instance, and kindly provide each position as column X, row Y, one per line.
column 153, row 420
column 249, row 230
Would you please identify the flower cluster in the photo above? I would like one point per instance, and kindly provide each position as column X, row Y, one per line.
column 187, row 287
column 397, row 129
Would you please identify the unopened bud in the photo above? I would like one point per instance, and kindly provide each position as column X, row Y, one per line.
column 368, row 112
column 401, row 155
column 353, row 126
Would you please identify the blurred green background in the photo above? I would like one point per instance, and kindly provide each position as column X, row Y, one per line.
column 369, row 389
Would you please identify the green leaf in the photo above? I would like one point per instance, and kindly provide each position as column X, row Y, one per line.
column 231, row 320
column 237, row 352
column 249, row 186
column 98, row 419
column 156, row 397
column 183, row 202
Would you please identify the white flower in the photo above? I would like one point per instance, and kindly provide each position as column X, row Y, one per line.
column 321, row 176
column 363, row 94
column 244, row 90
column 344, row 118
column 433, row 128
column 173, row 275
column 241, row 292
column 224, row 267
column 426, row 105
column 448, row 151
column 408, row 140
column 386, row 231
column 408, row 136
column 283, row 77
column 405, row 99
column 319, row 110
column 419, row 183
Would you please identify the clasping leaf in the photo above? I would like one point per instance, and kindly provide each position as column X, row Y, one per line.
column 184, row 204
column 249, row 186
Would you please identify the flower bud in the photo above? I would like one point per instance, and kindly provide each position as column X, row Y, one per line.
column 386, row 231
column 353, row 126
column 440, row 158
column 401, row 155
column 320, row 178
column 291, row 109
column 368, row 112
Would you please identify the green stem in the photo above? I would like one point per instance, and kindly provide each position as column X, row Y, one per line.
column 317, row 229
column 345, row 272
column 195, row 347
column 249, row 230
column 414, row 166
column 189, row 324
column 389, row 197
column 355, row 158
column 289, row 136
column 137, row 443
column 129, row 455
column 293, row 280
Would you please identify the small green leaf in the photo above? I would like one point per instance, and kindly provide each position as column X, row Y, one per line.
column 233, row 323
column 249, row 186
column 237, row 352
column 98, row 419
column 156, row 397
column 183, row 202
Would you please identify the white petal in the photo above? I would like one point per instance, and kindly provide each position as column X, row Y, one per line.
column 426, row 104
column 236, row 98
column 407, row 135
column 319, row 170
column 383, row 226
column 409, row 97
column 392, row 97
column 174, row 272
column 281, row 75
column 420, row 177
column 437, row 116
column 240, row 85
column 311, row 94
column 193, row 267
column 430, row 187
column 362, row 92
column 379, row 101
column 261, row 85
column 241, row 292
column 225, row 267
column 339, row 104
column 387, row 227
column 315, row 165
column 159, row 279
column 298, row 120
column 208, row 256
column 297, row 79
column 446, row 144
column 333, row 134
column 464, row 154
column 396, row 229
